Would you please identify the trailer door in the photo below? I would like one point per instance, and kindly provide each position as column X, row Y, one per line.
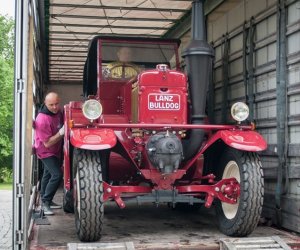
column 22, row 146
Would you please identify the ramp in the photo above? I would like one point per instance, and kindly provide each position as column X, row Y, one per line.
column 101, row 246
column 254, row 243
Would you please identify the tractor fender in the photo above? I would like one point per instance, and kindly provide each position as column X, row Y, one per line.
column 239, row 139
column 92, row 138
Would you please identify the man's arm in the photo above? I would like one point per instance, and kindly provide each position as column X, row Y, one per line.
column 55, row 138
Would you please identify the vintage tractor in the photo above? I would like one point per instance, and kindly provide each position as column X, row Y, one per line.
column 147, row 137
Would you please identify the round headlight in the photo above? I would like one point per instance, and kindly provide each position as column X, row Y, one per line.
column 239, row 111
column 92, row 109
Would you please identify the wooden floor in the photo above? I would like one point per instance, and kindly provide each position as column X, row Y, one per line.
column 148, row 227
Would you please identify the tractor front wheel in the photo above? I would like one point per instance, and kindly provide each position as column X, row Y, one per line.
column 88, row 195
column 68, row 203
column 240, row 219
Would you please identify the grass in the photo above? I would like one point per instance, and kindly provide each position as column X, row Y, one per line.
column 6, row 186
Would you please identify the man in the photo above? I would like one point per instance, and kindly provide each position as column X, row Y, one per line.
column 49, row 132
column 122, row 69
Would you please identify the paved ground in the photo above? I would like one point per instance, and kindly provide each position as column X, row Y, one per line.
column 6, row 219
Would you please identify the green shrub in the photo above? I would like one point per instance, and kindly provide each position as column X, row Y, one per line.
column 6, row 175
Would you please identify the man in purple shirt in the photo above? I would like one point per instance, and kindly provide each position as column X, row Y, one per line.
column 49, row 133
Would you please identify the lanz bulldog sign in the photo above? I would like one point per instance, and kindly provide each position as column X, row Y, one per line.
column 163, row 102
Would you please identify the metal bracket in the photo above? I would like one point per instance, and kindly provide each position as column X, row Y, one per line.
column 20, row 190
column 19, row 237
column 20, row 85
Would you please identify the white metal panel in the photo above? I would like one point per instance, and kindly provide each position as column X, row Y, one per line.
column 266, row 109
column 270, row 135
column 238, row 90
column 236, row 44
column 254, row 7
column 228, row 23
column 293, row 43
column 266, row 82
column 236, row 16
column 294, row 135
column 294, row 13
column 236, row 67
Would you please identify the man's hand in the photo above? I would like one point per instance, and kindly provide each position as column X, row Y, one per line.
column 62, row 130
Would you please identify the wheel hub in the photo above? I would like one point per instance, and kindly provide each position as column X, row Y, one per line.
column 231, row 190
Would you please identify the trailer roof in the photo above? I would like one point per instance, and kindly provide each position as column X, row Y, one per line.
column 73, row 23
column 69, row 25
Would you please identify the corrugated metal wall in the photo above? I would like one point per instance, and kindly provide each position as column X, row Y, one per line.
column 257, row 47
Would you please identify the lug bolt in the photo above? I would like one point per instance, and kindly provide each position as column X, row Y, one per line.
column 108, row 190
column 217, row 189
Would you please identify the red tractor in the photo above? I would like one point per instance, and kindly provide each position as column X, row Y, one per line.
column 142, row 134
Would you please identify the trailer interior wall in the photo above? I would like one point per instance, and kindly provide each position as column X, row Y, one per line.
column 67, row 92
column 251, row 39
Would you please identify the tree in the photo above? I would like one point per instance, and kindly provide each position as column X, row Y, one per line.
column 6, row 93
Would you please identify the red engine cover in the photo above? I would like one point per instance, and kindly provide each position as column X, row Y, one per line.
column 162, row 96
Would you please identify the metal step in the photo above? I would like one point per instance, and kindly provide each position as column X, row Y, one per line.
column 101, row 246
column 253, row 243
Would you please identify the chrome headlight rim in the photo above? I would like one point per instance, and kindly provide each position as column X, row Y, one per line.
column 87, row 109
column 240, row 111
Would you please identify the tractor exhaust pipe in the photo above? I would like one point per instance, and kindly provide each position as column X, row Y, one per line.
column 198, row 56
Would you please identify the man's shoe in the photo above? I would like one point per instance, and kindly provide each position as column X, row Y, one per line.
column 53, row 205
column 47, row 209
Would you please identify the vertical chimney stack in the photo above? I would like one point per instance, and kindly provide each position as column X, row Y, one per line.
column 198, row 57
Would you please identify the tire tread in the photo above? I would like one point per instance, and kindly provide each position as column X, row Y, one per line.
column 251, row 198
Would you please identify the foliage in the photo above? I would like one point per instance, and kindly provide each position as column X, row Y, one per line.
column 5, row 175
column 7, row 38
column 6, row 94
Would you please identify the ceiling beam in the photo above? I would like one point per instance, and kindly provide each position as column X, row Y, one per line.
column 103, row 34
column 64, row 51
column 66, row 71
column 106, row 26
column 59, row 55
column 65, row 82
column 65, row 64
column 60, row 81
column 120, row 8
column 68, row 39
column 115, row 18
column 68, row 45
column 68, row 67
column 60, row 60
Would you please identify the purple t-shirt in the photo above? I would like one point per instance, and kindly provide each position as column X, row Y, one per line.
column 45, row 127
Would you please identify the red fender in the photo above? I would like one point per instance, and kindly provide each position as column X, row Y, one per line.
column 93, row 139
column 240, row 139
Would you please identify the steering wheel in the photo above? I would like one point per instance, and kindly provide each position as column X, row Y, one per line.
column 123, row 70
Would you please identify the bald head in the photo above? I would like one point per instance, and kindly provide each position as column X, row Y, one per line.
column 52, row 102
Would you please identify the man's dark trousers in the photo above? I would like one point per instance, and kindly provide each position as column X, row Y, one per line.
column 52, row 177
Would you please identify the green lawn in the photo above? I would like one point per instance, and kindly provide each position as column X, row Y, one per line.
column 6, row 186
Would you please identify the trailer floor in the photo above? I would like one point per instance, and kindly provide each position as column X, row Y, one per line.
column 148, row 227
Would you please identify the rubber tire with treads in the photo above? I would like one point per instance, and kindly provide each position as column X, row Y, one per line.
column 248, row 209
column 88, row 200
